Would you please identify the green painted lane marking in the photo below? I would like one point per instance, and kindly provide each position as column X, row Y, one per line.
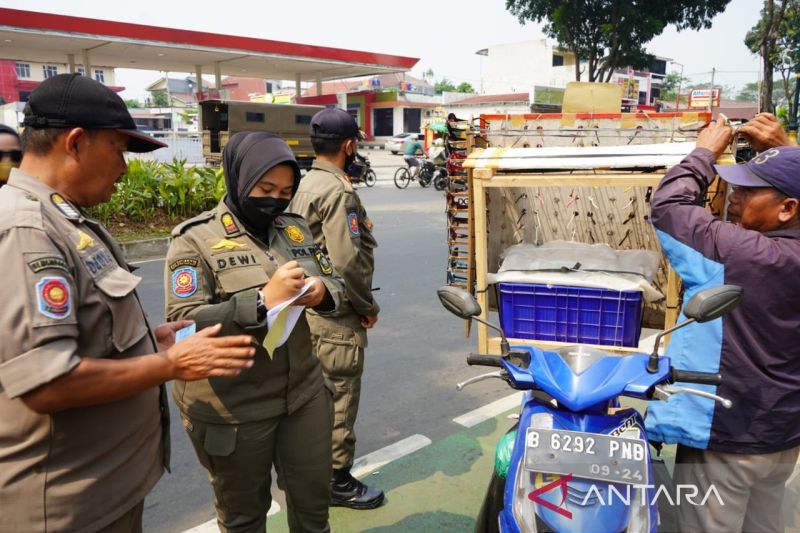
column 438, row 488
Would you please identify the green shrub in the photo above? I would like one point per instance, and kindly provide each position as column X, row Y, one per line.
column 152, row 190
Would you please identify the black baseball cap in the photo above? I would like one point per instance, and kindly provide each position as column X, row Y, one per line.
column 75, row 101
column 334, row 123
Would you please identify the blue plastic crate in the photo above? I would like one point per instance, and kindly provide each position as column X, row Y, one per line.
column 570, row 314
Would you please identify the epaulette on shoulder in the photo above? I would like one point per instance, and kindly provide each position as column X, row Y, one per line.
column 186, row 224
column 21, row 210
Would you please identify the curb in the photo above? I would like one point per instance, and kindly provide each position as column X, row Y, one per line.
column 146, row 249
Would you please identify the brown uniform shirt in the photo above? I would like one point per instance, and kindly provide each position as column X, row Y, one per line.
column 68, row 294
column 342, row 230
column 213, row 271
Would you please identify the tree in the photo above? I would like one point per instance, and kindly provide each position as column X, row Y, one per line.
column 748, row 93
column 444, row 86
column 776, row 39
column 160, row 99
column 782, row 98
column 428, row 74
column 673, row 82
column 610, row 34
column 464, row 87
column 132, row 102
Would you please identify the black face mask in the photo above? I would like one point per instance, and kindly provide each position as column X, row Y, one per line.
column 260, row 212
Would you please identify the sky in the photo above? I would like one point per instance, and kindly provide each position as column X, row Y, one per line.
column 444, row 34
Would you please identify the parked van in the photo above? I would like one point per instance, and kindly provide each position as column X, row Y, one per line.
column 219, row 120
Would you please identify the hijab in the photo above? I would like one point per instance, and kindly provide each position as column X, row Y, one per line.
column 246, row 157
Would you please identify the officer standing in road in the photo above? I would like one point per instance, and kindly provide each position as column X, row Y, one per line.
column 341, row 228
column 231, row 265
column 83, row 416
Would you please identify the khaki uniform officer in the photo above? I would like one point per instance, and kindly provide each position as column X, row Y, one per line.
column 218, row 267
column 341, row 228
column 83, row 419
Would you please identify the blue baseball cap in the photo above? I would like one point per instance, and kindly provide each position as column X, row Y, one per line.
column 777, row 167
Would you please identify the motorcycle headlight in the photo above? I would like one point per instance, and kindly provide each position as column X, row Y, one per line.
column 524, row 509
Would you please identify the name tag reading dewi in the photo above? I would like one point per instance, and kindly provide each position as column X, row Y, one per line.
column 237, row 260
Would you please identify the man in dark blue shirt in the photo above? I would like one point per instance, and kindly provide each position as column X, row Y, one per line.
column 744, row 454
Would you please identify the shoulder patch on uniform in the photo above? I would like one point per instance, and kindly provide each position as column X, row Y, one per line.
column 229, row 224
column 183, row 262
column 183, row 226
column 324, row 263
column 295, row 234
column 184, row 282
column 64, row 206
column 53, row 297
column 352, row 223
column 50, row 262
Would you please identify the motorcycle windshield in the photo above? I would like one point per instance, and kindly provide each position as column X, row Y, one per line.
column 579, row 378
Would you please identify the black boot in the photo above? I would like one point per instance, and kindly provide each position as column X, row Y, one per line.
column 347, row 491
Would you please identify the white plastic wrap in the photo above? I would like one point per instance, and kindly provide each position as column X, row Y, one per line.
column 580, row 265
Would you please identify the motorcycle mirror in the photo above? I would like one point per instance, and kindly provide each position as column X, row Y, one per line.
column 712, row 303
column 459, row 302
column 704, row 306
column 464, row 305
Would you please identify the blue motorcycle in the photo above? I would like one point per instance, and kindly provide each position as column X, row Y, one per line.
column 577, row 461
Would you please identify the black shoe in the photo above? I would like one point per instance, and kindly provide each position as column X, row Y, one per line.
column 347, row 491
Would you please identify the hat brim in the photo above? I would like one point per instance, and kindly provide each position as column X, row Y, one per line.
column 139, row 142
column 740, row 176
column 335, row 136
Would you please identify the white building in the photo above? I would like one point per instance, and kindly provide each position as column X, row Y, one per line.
column 518, row 67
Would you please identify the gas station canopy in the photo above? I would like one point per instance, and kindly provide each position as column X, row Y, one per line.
column 45, row 37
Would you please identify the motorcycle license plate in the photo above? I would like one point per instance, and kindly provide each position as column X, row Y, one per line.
column 613, row 459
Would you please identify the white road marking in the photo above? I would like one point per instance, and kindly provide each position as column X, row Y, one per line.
column 147, row 261
column 491, row 410
column 211, row 525
column 361, row 467
column 380, row 458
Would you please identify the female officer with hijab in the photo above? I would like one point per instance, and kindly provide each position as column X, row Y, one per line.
column 231, row 265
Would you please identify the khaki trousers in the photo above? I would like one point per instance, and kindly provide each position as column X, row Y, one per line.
column 750, row 487
column 340, row 349
column 239, row 460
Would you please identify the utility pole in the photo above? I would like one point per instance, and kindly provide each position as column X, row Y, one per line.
column 680, row 80
column 711, row 95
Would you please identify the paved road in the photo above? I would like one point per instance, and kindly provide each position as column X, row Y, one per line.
column 415, row 357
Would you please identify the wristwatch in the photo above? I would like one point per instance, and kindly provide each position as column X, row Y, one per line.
column 261, row 307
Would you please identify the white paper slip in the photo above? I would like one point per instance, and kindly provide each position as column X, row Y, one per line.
column 281, row 320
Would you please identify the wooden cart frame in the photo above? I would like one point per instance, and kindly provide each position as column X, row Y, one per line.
column 481, row 179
